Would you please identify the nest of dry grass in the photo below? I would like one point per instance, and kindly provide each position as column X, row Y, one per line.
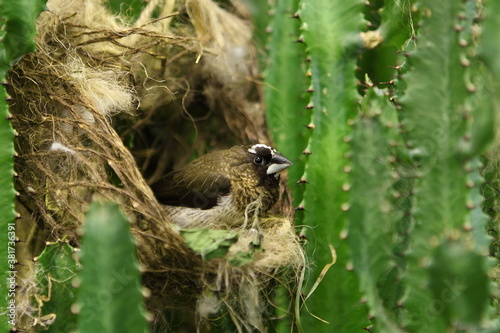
column 107, row 106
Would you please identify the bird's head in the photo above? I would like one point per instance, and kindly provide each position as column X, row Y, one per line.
column 267, row 161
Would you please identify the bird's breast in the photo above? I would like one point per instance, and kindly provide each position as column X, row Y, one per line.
column 224, row 214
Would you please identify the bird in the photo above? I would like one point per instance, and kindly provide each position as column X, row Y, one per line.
column 224, row 187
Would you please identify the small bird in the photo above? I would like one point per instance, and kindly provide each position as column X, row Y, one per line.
column 223, row 188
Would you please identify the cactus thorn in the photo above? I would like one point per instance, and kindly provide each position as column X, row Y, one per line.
column 310, row 90
column 10, row 116
column 146, row 292
column 9, row 99
column 467, row 226
column 347, row 168
column 347, row 155
column 310, row 126
column 369, row 328
column 398, row 67
column 296, row 15
column 269, row 30
column 349, row 267
column 471, row 88
column 463, row 42
column 18, row 216
column 306, row 152
column 343, row 234
column 458, row 27
column 470, row 205
column 299, row 40
column 391, row 82
column 345, row 207
column 308, row 59
column 302, row 181
column 309, row 106
column 308, row 73
column 346, row 139
column 346, row 187
column 299, row 207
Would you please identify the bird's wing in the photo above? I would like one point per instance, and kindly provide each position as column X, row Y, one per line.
column 199, row 189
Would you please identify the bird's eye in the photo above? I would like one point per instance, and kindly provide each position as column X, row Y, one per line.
column 259, row 160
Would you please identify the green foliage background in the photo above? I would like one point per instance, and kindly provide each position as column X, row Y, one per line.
column 386, row 109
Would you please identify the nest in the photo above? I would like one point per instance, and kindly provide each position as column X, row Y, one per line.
column 105, row 106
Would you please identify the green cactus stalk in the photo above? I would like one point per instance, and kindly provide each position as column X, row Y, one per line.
column 330, row 30
column 285, row 93
column 17, row 38
column 439, row 112
column 109, row 293
column 373, row 217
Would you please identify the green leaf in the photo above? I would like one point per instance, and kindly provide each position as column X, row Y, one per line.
column 55, row 269
column 209, row 243
column 19, row 29
column 109, row 295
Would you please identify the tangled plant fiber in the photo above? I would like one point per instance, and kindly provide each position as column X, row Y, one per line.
column 105, row 106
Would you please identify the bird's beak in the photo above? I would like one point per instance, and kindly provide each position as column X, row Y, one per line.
column 278, row 164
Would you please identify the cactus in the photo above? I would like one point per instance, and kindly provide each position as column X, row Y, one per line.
column 402, row 208
column 326, row 201
column 109, row 292
column 373, row 221
column 17, row 38
column 286, row 94
column 55, row 269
